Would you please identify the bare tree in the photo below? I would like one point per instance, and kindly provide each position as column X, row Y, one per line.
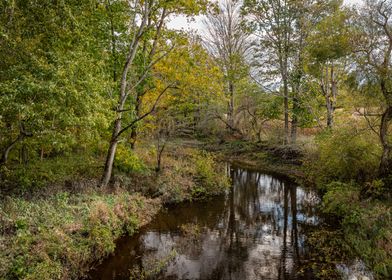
column 273, row 22
column 373, row 56
column 226, row 39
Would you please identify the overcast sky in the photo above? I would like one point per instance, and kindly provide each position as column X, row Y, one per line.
column 181, row 22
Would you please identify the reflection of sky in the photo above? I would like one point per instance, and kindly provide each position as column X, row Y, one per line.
column 248, row 240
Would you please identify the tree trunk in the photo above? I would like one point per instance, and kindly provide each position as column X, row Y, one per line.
column 133, row 137
column 331, row 98
column 286, row 110
column 159, row 156
column 24, row 155
column 197, row 114
column 386, row 158
column 4, row 157
column 330, row 111
column 294, row 121
column 22, row 135
column 107, row 172
column 134, row 132
column 42, row 154
column 230, row 113
column 329, row 88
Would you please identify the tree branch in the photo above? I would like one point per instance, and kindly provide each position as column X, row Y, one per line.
column 133, row 123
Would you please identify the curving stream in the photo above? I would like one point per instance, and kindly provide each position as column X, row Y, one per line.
column 257, row 231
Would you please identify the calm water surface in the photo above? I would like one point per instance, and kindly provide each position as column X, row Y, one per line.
column 257, row 231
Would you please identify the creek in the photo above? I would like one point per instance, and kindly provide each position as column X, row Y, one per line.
column 256, row 231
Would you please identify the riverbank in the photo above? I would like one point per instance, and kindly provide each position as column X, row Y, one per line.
column 235, row 236
column 59, row 238
column 60, row 226
column 358, row 213
column 56, row 231
column 279, row 159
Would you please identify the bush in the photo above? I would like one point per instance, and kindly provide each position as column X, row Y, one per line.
column 127, row 161
column 38, row 174
column 340, row 199
column 344, row 155
column 211, row 179
column 366, row 225
column 191, row 174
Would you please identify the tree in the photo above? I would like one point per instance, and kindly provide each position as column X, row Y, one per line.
column 147, row 20
column 256, row 110
column 47, row 104
column 374, row 66
column 328, row 49
column 273, row 23
column 199, row 90
column 226, row 39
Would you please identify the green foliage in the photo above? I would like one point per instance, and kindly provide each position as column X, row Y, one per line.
column 58, row 239
column 327, row 249
column 153, row 269
column 329, row 39
column 188, row 175
column 345, row 155
column 345, row 170
column 340, row 198
column 366, row 226
column 128, row 162
column 39, row 174
column 52, row 74
column 210, row 180
column 376, row 189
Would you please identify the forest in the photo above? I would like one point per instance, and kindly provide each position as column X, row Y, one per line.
column 213, row 124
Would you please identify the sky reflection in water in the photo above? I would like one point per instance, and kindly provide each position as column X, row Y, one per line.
column 257, row 231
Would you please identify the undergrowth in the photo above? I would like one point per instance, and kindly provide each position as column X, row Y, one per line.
column 60, row 237
column 49, row 230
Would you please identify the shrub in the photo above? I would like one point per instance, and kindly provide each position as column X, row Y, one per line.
column 38, row 174
column 127, row 161
column 366, row 225
column 340, row 199
column 211, row 179
column 191, row 174
column 344, row 155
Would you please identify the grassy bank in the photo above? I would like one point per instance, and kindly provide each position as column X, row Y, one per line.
column 282, row 159
column 55, row 227
column 344, row 167
column 59, row 238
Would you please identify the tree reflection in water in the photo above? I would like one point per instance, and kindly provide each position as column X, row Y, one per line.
column 257, row 231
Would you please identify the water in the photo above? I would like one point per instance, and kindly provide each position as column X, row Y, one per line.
column 356, row 270
column 257, row 231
